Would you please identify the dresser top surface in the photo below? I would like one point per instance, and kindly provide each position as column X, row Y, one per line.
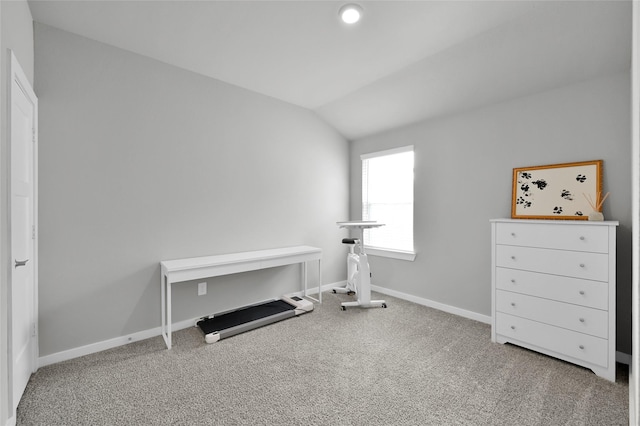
column 558, row 222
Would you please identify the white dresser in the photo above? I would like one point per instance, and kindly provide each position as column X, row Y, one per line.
column 553, row 289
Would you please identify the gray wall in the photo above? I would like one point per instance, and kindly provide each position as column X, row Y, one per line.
column 142, row 162
column 463, row 172
column 16, row 33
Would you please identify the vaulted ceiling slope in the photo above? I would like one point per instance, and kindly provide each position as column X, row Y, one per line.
column 406, row 61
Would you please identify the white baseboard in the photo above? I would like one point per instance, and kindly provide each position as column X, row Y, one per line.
column 96, row 347
column 147, row 334
column 621, row 357
column 109, row 344
column 436, row 305
column 141, row 335
column 11, row 421
column 326, row 287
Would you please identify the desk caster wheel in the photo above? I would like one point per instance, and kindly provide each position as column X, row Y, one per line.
column 384, row 305
column 343, row 308
column 334, row 292
column 351, row 293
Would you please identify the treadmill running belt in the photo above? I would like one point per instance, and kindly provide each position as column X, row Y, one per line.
column 244, row 315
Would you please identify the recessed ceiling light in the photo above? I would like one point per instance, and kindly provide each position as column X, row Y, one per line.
column 350, row 13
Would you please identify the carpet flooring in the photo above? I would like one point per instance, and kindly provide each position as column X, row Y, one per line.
column 404, row 365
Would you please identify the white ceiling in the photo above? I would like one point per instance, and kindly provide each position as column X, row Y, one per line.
column 406, row 61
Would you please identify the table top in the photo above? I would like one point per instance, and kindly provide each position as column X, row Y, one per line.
column 247, row 256
column 360, row 224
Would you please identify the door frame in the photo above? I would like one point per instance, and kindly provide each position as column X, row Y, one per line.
column 17, row 74
column 634, row 378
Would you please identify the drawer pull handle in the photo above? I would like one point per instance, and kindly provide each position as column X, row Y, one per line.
column 513, row 281
column 582, row 265
column 513, row 304
column 581, row 319
column 582, row 238
column 513, row 327
column 513, row 234
column 581, row 292
column 581, row 346
column 513, row 258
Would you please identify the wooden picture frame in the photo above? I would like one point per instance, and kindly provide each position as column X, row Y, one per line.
column 556, row 191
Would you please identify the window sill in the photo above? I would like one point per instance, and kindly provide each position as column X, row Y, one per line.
column 392, row 254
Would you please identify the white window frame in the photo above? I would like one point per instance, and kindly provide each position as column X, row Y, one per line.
column 380, row 251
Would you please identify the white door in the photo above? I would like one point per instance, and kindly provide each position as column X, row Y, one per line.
column 23, row 293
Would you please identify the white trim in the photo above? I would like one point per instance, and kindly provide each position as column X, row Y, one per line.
column 433, row 304
column 376, row 154
column 393, row 254
column 621, row 357
column 634, row 378
column 135, row 337
column 106, row 344
column 154, row 332
column 326, row 287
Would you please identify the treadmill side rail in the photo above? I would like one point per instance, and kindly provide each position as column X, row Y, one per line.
column 218, row 327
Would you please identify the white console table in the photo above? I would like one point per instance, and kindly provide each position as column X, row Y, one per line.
column 181, row 270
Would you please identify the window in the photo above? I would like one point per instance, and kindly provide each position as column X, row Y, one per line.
column 387, row 197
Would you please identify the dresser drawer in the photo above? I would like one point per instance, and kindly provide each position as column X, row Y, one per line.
column 577, row 237
column 577, row 318
column 570, row 343
column 591, row 266
column 594, row 294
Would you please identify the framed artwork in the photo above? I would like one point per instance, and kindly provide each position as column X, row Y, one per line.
column 556, row 191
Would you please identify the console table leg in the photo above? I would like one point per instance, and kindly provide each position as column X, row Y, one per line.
column 305, row 279
column 168, row 314
column 320, row 280
column 163, row 308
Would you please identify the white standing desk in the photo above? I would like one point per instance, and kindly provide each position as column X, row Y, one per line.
column 181, row 270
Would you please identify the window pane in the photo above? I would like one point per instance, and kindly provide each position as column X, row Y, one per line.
column 387, row 197
column 391, row 178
